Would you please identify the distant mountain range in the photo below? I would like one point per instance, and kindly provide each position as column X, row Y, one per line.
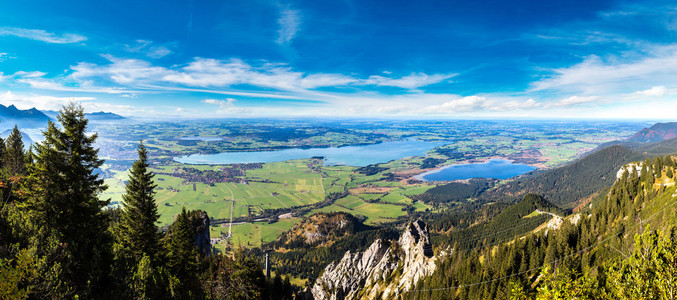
column 656, row 133
column 34, row 118
column 95, row 116
column 104, row 116
column 30, row 118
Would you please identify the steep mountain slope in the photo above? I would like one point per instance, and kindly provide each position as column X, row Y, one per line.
column 309, row 246
column 514, row 220
column 566, row 185
column 30, row 118
column 655, row 133
column 385, row 270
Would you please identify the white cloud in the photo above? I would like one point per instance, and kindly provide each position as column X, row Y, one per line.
column 597, row 76
column 148, row 49
column 38, row 101
column 480, row 104
column 576, row 100
column 226, row 106
column 289, row 22
column 465, row 104
column 21, row 75
column 656, row 91
column 411, row 81
column 211, row 73
column 84, row 86
column 41, row 35
column 122, row 71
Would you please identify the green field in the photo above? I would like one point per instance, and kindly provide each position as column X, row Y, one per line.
column 374, row 212
column 276, row 185
column 282, row 185
column 252, row 234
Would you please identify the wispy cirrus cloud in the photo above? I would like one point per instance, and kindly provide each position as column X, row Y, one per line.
column 411, row 81
column 42, row 35
column 149, row 49
column 289, row 23
column 576, row 100
column 596, row 75
column 206, row 73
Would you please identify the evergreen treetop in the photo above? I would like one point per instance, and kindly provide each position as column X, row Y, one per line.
column 138, row 231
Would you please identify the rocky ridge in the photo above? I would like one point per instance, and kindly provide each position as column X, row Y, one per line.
column 384, row 271
column 321, row 229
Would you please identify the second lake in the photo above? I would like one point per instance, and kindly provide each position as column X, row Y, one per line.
column 494, row 168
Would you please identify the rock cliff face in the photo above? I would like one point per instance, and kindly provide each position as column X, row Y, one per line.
column 385, row 270
column 199, row 221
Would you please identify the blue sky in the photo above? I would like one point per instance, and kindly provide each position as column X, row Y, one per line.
column 423, row 59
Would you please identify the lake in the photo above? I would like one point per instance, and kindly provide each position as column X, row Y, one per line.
column 494, row 168
column 202, row 138
column 350, row 155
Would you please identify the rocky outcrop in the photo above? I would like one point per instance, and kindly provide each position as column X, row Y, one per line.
column 385, row 270
column 321, row 229
column 199, row 223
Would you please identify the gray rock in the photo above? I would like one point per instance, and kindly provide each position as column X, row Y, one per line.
column 385, row 270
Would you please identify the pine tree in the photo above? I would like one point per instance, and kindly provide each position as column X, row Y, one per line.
column 182, row 257
column 3, row 152
column 68, row 224
column 137, row 231
column 15, row 155
column 137, row 245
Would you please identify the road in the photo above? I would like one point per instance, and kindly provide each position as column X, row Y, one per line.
column 232, row 207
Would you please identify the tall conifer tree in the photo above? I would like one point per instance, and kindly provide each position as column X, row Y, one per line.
column 137, row 231
column 69, row 227
column 138, row 267
column 182, row 256
column 15, row 155
column 3, row 151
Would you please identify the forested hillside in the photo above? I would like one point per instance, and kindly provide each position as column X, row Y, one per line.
column 621, row 249
column 565, row 186
column 57, row 241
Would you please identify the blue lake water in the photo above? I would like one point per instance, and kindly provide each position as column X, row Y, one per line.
column 494, row 168
column 350, row 155
column 202, row 138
